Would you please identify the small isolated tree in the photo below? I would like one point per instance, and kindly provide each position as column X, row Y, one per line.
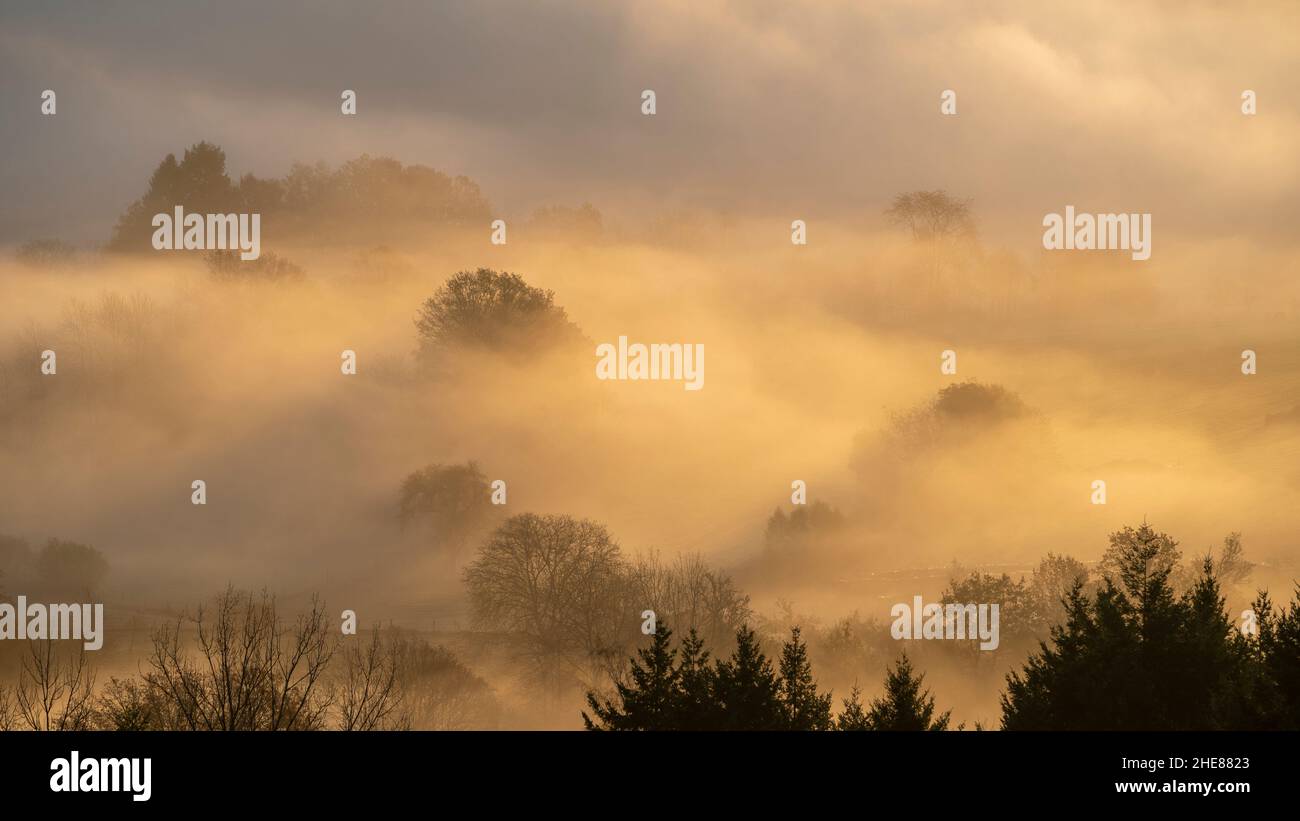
column 454, row 500
column 905, row 706
column 492, row 311
column 932, row 216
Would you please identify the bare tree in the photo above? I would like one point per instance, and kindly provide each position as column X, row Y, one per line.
column 369, row 696
column 253, row 672
column 932, row 215
column 689, row 595
column 934, row 218
column 8, row 709
column 554, row 585
column 438, row 691
column 54, row 693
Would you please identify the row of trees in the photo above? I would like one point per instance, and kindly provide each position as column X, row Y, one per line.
column 1133, row 651
column 561, row 594
column 360, row 199
column 241, row 665
column 58, row 567
column 676, row 688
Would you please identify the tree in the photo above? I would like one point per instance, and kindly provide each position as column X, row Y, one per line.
column 454, row 500
column 255, row 672
column 651, row 697
column 690, row 594
column 369, row 695
column 748, row 692
column 553, row 584
column 1136, row 556
column 1051, row 582
column 198, row 183
column 1137, row 656
column 932, row 216
column 853, row 717
column 935, row 219
column 70, row 567
column 54, row 693
column 438, row 692
column 697, row 705
column 487, row 310
column 802, row 707
column 905, row 706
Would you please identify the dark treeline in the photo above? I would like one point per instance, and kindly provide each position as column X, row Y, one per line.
column 1132, row 655
column 357, row 199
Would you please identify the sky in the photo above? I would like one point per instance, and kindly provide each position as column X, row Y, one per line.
column 824, row 110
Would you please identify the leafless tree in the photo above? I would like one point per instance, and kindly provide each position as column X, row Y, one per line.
column 54, row 693
column 689, row 594
column 934, row 218
column 369, row 696
column 253, row 671
column 553, row 584
column 8, row 709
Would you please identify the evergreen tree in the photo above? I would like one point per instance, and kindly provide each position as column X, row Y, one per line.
column 649, row 699
column 905, row 706
column 853, row 717
column 802, row 707
column 697, row 706
column 748, row 692
column 1137, row 657
column 1279, row 655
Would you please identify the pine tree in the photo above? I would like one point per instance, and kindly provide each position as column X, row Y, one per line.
column 697, row 705
column 905, row 706
column 802, row 707
column 853, row 717
column 1137, row 657
column 648, row 700
column 747, row 689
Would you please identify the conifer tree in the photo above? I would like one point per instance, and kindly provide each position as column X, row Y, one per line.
column 747, row 689
column 802, row 707
column 648, row 699
column 697, row 706
column 853, row 717
column 905, row 706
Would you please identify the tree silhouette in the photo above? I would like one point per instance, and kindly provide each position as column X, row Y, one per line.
column 553, row 584
column 905, row 706
column 801, row 706
column 198, row 183
column 651, row 699
column 853, row 717
column 1136, row 656
column 747, row 689
column 493, row 311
